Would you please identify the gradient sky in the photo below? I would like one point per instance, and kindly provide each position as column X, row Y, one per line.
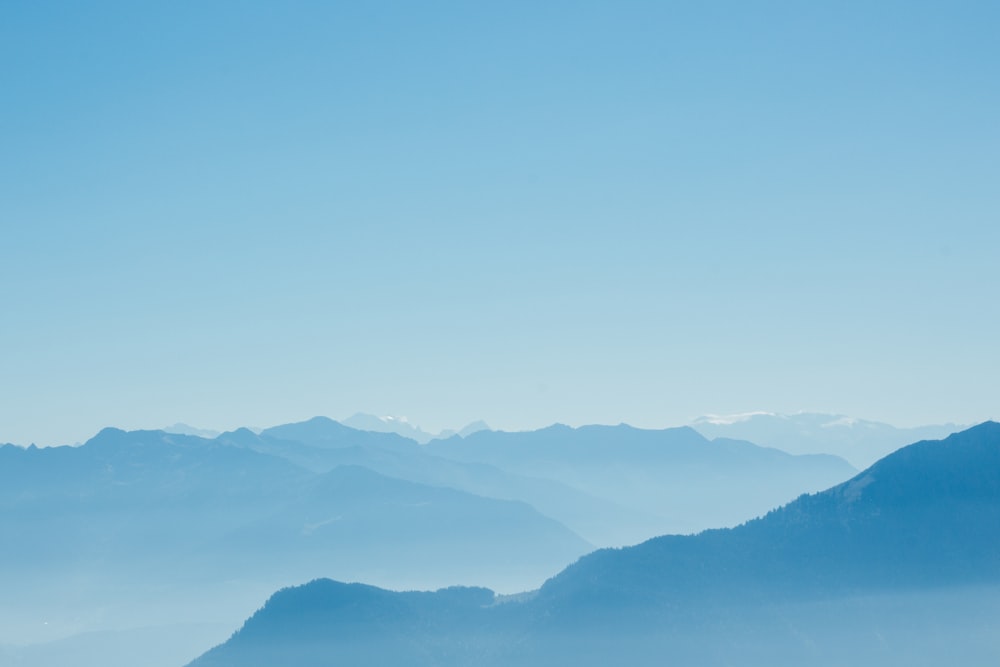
column 253, row 213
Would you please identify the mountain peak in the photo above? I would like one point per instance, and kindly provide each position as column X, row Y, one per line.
column 404, row 427
column 186, row 429
column 316, row 428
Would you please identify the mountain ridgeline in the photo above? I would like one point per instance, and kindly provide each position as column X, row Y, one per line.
column 678, row 479
column 900, row 565
column 207, row 527
column 860, row 441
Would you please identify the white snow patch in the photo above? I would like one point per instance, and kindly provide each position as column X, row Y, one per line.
column 842, row 421
column 725, row 420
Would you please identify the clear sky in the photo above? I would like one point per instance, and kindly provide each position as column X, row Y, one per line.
column 253, row 213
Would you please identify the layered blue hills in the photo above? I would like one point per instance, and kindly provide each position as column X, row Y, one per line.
column 141, row 499
column 208, row 527
column 900, row 565
column 682, row 481
column 145, row 529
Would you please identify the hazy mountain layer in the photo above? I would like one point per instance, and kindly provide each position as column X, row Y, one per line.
column 101, row 530
column 860, row 441
column 212, row 525
column 401, row 426
column 323, row 444
column 898, row 566
column 613, row 485
column 679, row 480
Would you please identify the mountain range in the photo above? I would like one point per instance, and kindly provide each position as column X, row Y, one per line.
column 859, row 441
column 680, row 481
column 208, row 526
column 205, row 528
column 899, row 565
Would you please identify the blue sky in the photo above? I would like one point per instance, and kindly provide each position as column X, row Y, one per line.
column 252, row 213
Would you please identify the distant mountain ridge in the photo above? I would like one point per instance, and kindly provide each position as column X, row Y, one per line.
column 860, row 441
column 869, row 572
column 150, row 494
column 401, row 426
column 199, row 522
column 322, row 446
column 685, row 480
column 201, row 526
column 186, row 429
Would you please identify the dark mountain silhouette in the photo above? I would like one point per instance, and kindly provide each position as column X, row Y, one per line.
column 898, row 566
column 365, row 625
column 323, row 432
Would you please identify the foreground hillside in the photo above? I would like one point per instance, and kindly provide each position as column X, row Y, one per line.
column 898, row 566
